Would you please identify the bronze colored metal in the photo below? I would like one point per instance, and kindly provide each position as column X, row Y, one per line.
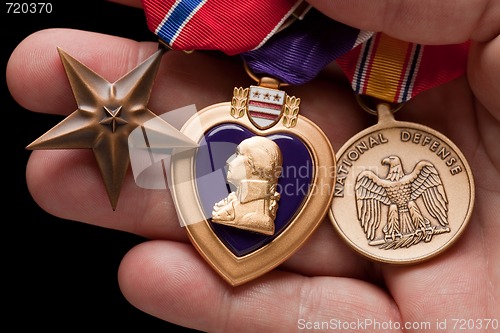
column 264, row 81
column 238, row 270
column 107, row 113
column 404, row 192
column 254, row 170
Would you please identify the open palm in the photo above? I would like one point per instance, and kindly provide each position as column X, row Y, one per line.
column 325, row 281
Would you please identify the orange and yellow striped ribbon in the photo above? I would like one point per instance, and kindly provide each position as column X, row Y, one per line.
column 395, row 71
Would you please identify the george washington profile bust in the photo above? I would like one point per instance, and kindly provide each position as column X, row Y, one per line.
column 254, row 170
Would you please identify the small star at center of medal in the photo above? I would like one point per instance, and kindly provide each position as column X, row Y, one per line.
column 113, row 118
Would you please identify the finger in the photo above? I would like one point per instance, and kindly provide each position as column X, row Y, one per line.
column 170, row 282
column 425, row 22
column 484, row 74
column 36, row 61
column 462, row 275
column 67, row 184
column 325, row 254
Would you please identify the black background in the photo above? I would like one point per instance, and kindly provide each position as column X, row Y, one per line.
column 60, row 275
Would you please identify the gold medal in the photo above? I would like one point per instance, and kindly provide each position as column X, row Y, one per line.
column 404, row 192
column 258, row 185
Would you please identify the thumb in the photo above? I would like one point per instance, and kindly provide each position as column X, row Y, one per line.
column 419, row 21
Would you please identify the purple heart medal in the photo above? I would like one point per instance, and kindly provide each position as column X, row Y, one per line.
column 262, row 178
column 251, row 194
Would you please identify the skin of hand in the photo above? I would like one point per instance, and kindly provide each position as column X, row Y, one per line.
column 325, row 279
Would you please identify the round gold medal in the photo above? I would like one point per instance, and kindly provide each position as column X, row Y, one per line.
column 404, row 192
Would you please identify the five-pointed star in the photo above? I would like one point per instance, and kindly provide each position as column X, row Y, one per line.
column 107, row 113
column 113, row 118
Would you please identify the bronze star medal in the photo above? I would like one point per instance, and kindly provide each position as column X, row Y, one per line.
column 107, row 113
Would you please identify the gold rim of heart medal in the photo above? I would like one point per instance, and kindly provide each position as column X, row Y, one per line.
column 258, row 185
column 404, row 192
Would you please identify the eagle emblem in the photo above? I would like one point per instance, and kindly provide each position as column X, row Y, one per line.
column 406, row 223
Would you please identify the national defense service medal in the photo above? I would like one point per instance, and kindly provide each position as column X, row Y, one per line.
column 259, row 184
column 403, row 193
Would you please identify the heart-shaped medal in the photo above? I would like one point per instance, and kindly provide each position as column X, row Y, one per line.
column 257, row 187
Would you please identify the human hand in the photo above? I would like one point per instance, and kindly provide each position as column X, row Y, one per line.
column 325, row 280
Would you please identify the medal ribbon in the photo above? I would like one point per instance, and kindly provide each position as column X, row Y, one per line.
column 396, row 71
column 232, row 27
column 298, row 53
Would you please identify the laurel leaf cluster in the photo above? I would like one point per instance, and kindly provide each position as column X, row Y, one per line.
column 291, row 111
column 239, row 102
